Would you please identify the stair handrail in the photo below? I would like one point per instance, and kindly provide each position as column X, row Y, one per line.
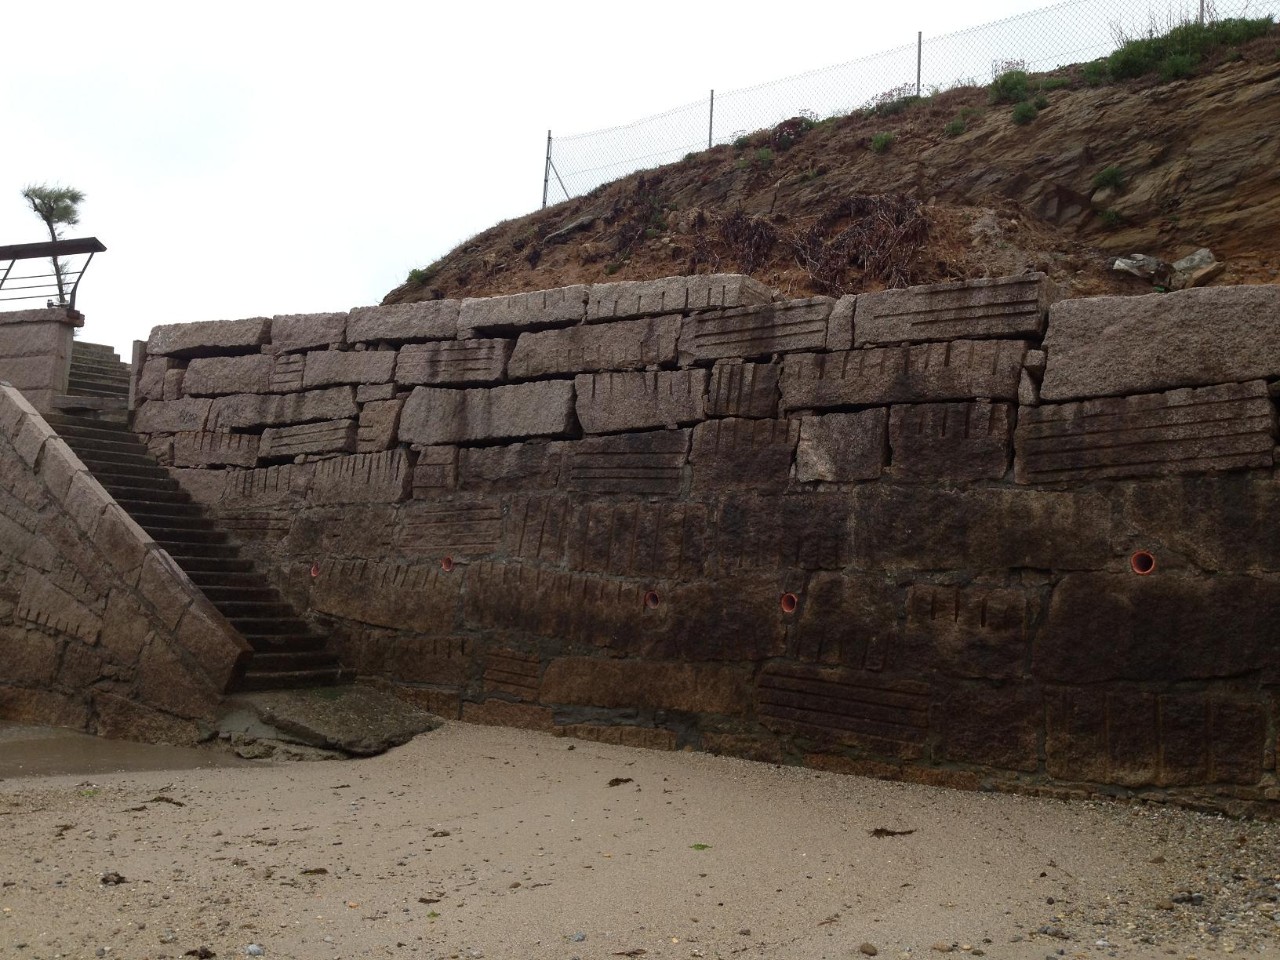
column 53, row 284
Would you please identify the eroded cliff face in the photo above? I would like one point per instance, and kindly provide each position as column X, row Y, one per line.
column 961, row 533
column 828, row 215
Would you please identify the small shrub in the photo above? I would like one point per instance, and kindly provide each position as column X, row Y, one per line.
column 1111, row 177
column 1011, row 87
column 1049, row 84
column 423, row 275
column 689, row 156
column 881, row 142
column 1177, row 66
column 1095, row 73
column 893, row 107
column 955, row 127
column 764, row 158
column 1041, row 102
column 1024, row 113
column 1111, row 219
column 741, row 142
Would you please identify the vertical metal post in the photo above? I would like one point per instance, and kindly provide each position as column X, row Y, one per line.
column 546, row 172
column 919, row 51
column 711, row 120
column 1202, row 13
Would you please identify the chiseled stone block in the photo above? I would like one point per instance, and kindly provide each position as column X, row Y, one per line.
column 202, row 449
column 736, row 453
column 523, row 311
column 209, row 338
column 842, row 447
column 950, row 441
column 640, row 463
column 1102, row 346
column 258, row 410
column 741, row 389
column 756, row 331
column 326, row 368
column 304, row 331
column 172, row 416
column 613, row 402
column 453, row 362
column 436, row 415
column 637, row 298
column 379, row 420
column 965, row 310
column 404, row 322
column 329, row 436
column 1226, row 427
column 215, row 376
column 958, row 370
column 383, row 477
column 624, row 345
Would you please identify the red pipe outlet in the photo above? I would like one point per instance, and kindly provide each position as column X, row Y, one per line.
column 1143, row 563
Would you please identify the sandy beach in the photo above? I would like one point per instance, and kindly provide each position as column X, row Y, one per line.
column 474, row 842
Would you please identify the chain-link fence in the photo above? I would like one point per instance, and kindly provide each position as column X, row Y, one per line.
column 1072, row 32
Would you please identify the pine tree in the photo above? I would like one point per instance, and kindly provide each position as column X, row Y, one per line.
column 57, row 206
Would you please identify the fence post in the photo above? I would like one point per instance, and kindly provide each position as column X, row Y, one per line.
column 546, row 172
column 1202, row 13
column 711, row 120
column 919, row 50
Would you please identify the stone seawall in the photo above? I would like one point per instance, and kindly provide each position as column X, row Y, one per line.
column 847, row 532
column 99, row 629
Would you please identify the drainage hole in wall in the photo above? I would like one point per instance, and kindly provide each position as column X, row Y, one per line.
column 789, row 602
column 315, row 570
column 651, row 600
column 1143, row 562
column 446, row 564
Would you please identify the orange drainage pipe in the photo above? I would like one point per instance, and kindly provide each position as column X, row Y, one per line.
column 446, row 564
column 1143, row 563
column 789, row 602
column 651, row 600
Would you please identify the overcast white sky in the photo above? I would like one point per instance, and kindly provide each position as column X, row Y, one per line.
column 249, row 159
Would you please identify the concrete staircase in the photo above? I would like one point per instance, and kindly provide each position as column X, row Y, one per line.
column 287, row 653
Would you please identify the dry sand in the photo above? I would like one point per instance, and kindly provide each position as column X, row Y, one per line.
column 476, row 841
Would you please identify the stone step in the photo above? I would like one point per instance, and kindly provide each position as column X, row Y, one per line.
column 245, row 609
column 137, row 490
column 220, row 571
column 293, row 662
column 269, row 626
column 182, row 551
column 221, row 596
column 121, row 458
column 205, row 535
column 293, row 679
column 94, row 373
column 155, row 511
column 70, row 426
column 287, row 643
column 126, row 446
column 88, row 389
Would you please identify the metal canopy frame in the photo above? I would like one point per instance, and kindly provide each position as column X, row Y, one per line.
column 47, row 283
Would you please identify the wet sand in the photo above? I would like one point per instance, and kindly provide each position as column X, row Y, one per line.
column 476, row 842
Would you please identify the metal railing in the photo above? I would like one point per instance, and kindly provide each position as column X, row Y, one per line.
column 58, row 288
column 1074, row 31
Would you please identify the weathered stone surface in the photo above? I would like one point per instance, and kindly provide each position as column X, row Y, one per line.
column 756, row 331
column 365, row 477
column 368, row 392
column 461, row 526
column 700, row 688
column 523, row 311
column 635, row 298
column 1164, row 627
column 643, row 463
column 417, row 596
column 404, row 322
column 1101, row 346
column 994, row 727
column 283, row 485
column 326, row 368
column 842, row 447
column 212, row 376
column 453, row 362
column 1227, row 427
column 328, row 436
column 255, row 410
column 959, row 370
column 736, row 453
column 172, row 416
column 849, row 620
column 209, row 338
column 303, row 331
column 950, row 441
column 151, row 378
column 204, row 449
column 975, row 631
column 645, row 738
column 967, row 309
column 536, row 465
column 634, row 538
column 435, row 415
column 840, row 323
column 436, row 471
column 614, row 402
column 379, row 421
column 623, row 345
column 911, row 527
column 288, row 373
column 741, row 389
column 513, row 672
column 855, row 707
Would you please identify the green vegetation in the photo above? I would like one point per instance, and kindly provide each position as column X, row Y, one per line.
column 741, row 142
column 893, row 107
column 424, row 275
column 700, row 846
column 955, row 127
column 1111, row 177
column 1011, row 87
column 1176, row 53
column 1049, row 84
column 57, row 207
column 764, row 158
column 1024, row 113
column 881, row 142
column 1041, row 102
column 1111, row 219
